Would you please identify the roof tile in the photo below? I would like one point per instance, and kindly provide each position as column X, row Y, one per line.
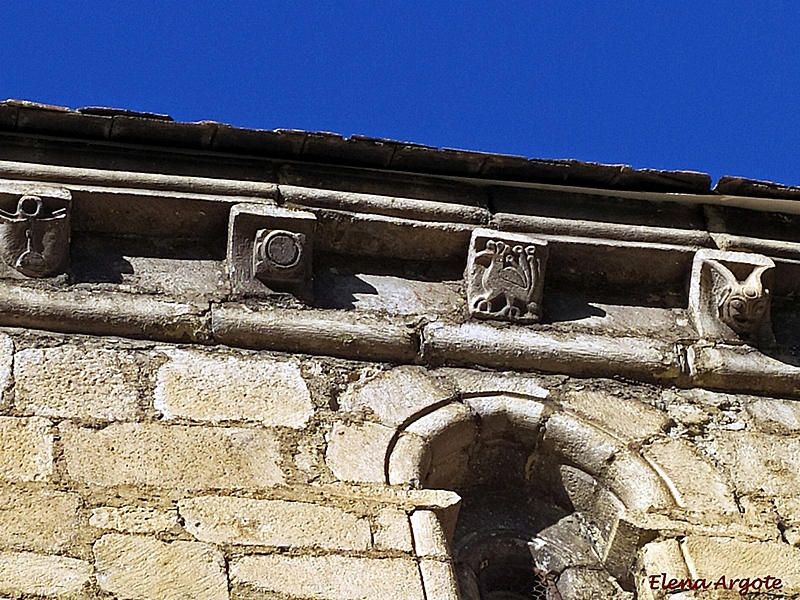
column 356, row 150
column 738, row 186
column 258, row 142
column 69, row 123
column 162, row 133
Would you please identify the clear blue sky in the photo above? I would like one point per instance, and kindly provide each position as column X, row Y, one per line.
column 709, row 85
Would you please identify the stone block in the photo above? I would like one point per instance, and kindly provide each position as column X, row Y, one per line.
column 397, row 395
column 357, row 452
column 133, row 519
column 26, row 449
column 329, row 577
column 730, row 296
column 270, row 250
column 439, row 580
column 199, row 386
column 581, row 444
column 760, row 463
column 697, row 484
column 505, row 276
column 6, row 368
column 629, row 420
column 279, row 523
column 715, row 556
column 429, row 537
column 146, row 569
column 508, row 416
column 788, row 509
column 392, row 531
column 410, row 461
column 770, row 415
column 474, row 383
column 663, row 556
column 587, row 584
column 78, row 382
column 44, row 521
column 176, row 457
column 49, row 576
column 581, row 487
column 448, row 429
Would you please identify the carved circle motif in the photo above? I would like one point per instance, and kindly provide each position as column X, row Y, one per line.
column 282, row 250
column 29, row 207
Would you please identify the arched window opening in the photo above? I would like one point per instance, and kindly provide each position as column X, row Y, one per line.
column 534, row 524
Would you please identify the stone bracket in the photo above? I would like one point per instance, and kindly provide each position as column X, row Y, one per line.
column 730, row 297
column 35, row 232
column 505, row 276
column 270, row 251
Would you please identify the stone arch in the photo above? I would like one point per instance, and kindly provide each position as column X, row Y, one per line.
column 590, row 481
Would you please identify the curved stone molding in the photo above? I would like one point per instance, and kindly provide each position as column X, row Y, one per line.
column 34, row 238
column 730, row 296
column 505, row 276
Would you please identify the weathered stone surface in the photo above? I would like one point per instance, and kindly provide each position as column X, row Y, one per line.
column 78, row 382
column 26, row 449
column 133, row 519
column 330, row 577
column 659, row 557
column 27, row 573
column 145, row 569
column 191, row 458
column 202, row 387
column 396, row 395
column 357, row 452
column 230, row 520
column 503, row 414
column 588, row 584
column 696, row 483
column 429, row 538
column 392, row 531
column 439, row 580
column 775, row 416
column 6, row 367
column 713, row 556
column 626, row 419
column 491, row 292
column 788, row 509
column 761, row 463
column 450, row 428
column 44, row 521
column 410, row 460
column 472, row 382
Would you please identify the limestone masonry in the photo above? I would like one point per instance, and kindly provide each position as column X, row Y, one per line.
column 277, row 365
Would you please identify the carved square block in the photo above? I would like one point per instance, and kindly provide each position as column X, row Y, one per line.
column 505, row 276
column 270, row 250
column 730, row 296
column 34, row 231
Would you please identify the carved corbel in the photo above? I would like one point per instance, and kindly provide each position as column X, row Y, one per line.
column 505, row 276
column 35, row 234
column 730, row 297
column 270, row 250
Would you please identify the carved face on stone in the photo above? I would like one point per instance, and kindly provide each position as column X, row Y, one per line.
column 744, row 304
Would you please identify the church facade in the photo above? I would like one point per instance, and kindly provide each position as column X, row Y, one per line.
column 277, row 365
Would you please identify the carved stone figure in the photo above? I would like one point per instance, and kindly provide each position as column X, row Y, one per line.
column 34, row 239
column 730, row 296
column 505, row 276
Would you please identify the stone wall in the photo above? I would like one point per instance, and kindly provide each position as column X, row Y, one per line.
column 153, row 471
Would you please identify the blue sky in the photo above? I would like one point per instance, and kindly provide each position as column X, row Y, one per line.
column 710, row 86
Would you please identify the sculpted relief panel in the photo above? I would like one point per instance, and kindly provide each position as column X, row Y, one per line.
column 505, row 276
column 34, row 238
column 730, row 296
